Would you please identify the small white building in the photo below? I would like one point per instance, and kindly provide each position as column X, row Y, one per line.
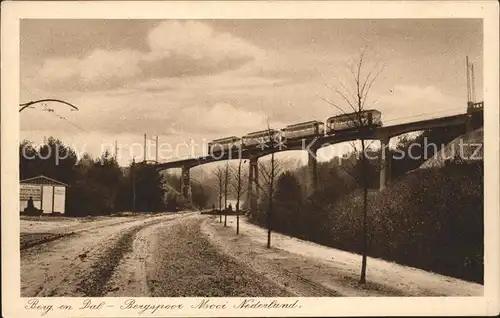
column 47, row 194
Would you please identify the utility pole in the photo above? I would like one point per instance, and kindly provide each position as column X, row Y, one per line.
column 133, row 184
column 473, row 83
column 145, row 146
column 468, row 84
column 156, row 149
column 471, row 94
column 116, row 150
column 145, row 141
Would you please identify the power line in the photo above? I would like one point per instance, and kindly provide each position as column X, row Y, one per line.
column 422, row 114
column 49, row 110
column 52, row 111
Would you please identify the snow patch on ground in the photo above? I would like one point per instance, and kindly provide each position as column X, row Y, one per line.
column 129, row 277
column 59, row 267
column 333, row 268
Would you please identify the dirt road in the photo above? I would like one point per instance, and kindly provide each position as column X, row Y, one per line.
column 163, row 256
column 188, row 254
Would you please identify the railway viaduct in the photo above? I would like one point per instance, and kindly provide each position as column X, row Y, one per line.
column 469, row 120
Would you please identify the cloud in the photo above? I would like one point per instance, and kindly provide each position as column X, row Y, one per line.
column 198, row 41
column 217, row 84
column 59, row 70
column 413, row 102
column 100, row 69
column 414, row 93
column 101, row 65
column 176, row 49
column 175, row 126
column 222, row 118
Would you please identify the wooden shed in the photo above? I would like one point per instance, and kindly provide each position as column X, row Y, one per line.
column 47, row 194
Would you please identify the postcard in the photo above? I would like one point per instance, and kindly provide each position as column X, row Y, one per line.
column 250, row 158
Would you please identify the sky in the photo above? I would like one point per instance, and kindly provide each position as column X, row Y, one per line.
column 192, row 81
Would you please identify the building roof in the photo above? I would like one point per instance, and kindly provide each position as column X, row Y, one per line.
column 43, row 180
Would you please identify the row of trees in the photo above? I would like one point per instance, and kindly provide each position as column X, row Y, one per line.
column 99, row 185
column 230, row 182
column 354, row 99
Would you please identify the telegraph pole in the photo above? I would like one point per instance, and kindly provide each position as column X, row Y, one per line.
column 473, row 83
column 133, row 184
column 145, row 141
column 468, row 79
column 156, row 149
column 116, row 150
column 145, row 146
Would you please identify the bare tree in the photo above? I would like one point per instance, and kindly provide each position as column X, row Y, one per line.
column 219, row 175
column 269, row 175
column 239, row 190
column 356, row 102
column 226, row 182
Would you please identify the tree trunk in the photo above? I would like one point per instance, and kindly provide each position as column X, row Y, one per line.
column 364, row 170
column 225, row 196
column 270, row 209
column 237, row 218
column 220, row 206
column 269, row 220
column 238, row 196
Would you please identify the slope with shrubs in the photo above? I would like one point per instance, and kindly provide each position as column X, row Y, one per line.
column 432, row 219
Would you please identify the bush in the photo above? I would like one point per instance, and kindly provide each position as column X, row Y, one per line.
column 432, row 219
column 287, row 213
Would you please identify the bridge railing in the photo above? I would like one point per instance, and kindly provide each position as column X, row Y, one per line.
column 478, row 105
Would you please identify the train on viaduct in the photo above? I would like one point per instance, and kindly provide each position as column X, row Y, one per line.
column 313, row 135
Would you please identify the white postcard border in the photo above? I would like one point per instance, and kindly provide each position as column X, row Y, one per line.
column 12, row 12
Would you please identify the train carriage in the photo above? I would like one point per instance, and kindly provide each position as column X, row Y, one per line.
column 310, row 129
column 262, row 137
column 303, row 130
column 228, row 144
column 347, row 122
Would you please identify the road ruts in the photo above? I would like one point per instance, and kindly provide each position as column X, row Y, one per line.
column 81, row 264
column 185, row 264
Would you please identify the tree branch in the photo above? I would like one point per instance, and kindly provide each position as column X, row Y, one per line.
column 337, row 107
column 370, row 85
column 343, row 95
